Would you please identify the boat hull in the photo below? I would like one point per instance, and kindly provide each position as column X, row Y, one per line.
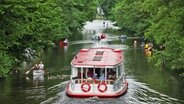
column 100, row 95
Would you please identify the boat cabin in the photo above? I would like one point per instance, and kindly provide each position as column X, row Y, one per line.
column 97, row 72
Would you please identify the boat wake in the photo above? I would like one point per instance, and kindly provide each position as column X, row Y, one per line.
column 138, row 93
column 59, row 97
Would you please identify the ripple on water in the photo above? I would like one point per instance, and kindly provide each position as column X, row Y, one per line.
column 138, row 93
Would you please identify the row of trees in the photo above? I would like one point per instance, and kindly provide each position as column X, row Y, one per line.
column 106, row 6
column 161, row 21
column 27, row 26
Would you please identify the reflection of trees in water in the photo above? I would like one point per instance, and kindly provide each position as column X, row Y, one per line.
column 89, row 31
column 50, row 77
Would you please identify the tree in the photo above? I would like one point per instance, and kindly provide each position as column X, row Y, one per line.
column 130, row 16
column 167, row 29
column 160, row 21
column 106, row 6
column 28, row 26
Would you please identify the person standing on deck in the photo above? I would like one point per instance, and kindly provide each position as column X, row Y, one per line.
column 41, row 65
column 90, row 73
column 102, row 76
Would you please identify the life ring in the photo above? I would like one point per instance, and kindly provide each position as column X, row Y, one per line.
column 85, row 87
column 102, row 87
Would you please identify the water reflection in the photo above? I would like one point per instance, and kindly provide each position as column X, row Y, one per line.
column 38, row 78
column 65, row 48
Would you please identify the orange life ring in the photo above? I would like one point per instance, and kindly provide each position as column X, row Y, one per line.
column 102, row 87
column 85, row 87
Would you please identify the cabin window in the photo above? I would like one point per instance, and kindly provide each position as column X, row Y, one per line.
column 111, row 73
column 77, row 73
column 119, row 70
column 97, row 73
column 102, row 75
column 90, row 73
column 74, row 71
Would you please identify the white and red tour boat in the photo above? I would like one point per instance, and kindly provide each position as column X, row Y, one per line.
column 97, row 72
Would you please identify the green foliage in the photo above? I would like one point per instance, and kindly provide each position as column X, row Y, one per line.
column 106, row 6
column 167, row 29
column 35, row 24
column 5, row 64
column 76, row 12
column 159, row 20
column 130, row 16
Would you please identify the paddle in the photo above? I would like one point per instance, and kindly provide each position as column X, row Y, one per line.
column 28, row 71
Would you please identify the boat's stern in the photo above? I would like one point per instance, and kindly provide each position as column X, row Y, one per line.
column 91, row 88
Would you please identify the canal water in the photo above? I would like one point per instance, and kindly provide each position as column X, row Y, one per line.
column 147, row 85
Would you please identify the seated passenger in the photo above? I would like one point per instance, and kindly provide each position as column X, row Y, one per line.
column 102, row 76
column 90, row 73
column 111, row 75
column 95, row 76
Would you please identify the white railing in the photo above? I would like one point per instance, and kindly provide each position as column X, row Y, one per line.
column 117, row 84
column 91, row 81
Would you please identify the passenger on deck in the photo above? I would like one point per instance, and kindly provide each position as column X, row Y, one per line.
column 95, row 76
column 111, row 75
column 90, row 73
column 102, row 76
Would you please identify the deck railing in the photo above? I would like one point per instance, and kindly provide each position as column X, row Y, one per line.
column 117, row 83
column 92, row 81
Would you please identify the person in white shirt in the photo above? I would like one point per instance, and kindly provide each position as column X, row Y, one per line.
column 41, row 65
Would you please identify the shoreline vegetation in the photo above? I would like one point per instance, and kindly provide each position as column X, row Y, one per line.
column 27, row 29
column 160, row 22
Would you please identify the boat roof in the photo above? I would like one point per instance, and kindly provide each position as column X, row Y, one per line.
column 98, row 57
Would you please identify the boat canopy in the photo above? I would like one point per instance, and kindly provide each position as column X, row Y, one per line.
column 99, row 57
